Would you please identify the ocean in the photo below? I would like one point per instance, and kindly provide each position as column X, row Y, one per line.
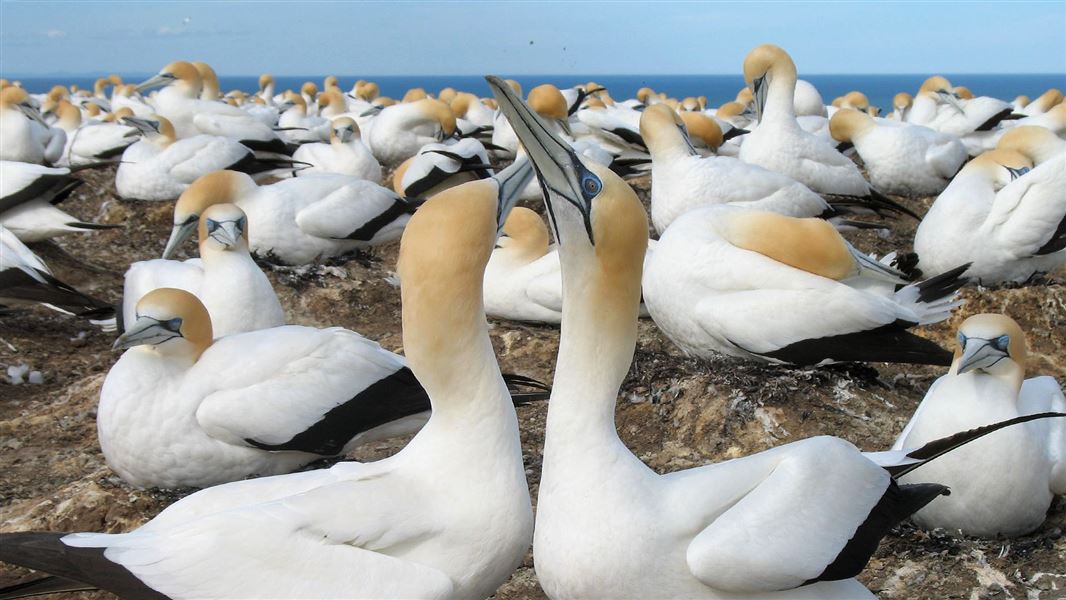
column 718, row 88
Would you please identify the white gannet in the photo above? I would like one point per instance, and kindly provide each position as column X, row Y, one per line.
column 90, row 143
column 763, row 286
column 468, row 106
column 29, row 194
column 161, row 167
column 1020, row 468
column 1043, row 103
column 233, row 289
column 401, row 129
column 779, row 144
column 298, row 221
column 449, row 516
column 682, row 179
column 21, row 128
column 296, row 125
column 797, row 521
column 437, row 167
column 939, row 107
column 345, row 154
column 209, row 89
column 26, row 280
column 126, row 96
column 998, row 214
column 522, row 280
column 901, row 105
column 900, row 158
column 807, row 101
column 179, row 101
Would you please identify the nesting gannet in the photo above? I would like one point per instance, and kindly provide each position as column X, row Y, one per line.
column 401, row 129
column 901, row 105
column 209, row 88
column 469, row 107
column 438, row 167
column 161, row 167
column 296, row 125
column 1043, row 103
column 797, row 521
column 779, row 144
column 449, row 516
column 938, row 107
column 90, row 143
column 682, row 179
column 231, row 286
column 179, row 101
column 345, row 154
column 1022, row 467
column 900, row 158
column 998, row 214
column 762, row 286
column 23, row 136
column 25, row 279
column 29, row 194
column 807, row 101
column 298, row 221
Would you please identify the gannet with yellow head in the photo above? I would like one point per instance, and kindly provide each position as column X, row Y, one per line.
column 453, row 505
column 682, row 179
column 900, row 158
column 609, row 526
column 209, row 87
column 23, row 131
column 345, row 154
column 1021, row 468
column 29, row 194
column 938, row 106
column 1043, row 103
column 93, row 142
column 297, row 124
column 401, row 129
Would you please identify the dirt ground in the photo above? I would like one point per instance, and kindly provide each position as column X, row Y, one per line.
column 673, row 412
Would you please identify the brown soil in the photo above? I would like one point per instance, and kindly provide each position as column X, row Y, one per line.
column 673, row 412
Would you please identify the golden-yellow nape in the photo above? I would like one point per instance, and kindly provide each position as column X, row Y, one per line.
column 214, row 188
column 658, row 123
column 963, row 92
column 330, row 82
column 397, row 176
column 491, row 103
column 744, row 97
column 847, row 123
column 812, row 245
column 990, row 326
column 767, row 59
column 1037, row 144
column 180, row 69
column 517, row 87
column 460, row 102
column 415, row 94
column 703, row 128
column 310, row 89
column 166, row 304
column 902, row 100
column 644, row 93
column 264, row 80
column 384, row 101
column 729, row 110
column 527, row 233
column 936, row 83
column 438, row 111
column 12, row 96
column 548, row 101
column 1047, row 100
column 447, row 94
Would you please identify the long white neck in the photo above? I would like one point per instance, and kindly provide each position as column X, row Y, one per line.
column 779, row 98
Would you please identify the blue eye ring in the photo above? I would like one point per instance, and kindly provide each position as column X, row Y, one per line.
column 590, row 185
column 962, row 339
column 212, row 225
column 1002, row 342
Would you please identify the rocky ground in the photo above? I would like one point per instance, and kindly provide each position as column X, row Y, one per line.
column 674, row 412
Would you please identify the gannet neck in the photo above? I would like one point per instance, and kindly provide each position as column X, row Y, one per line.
column 779, row 98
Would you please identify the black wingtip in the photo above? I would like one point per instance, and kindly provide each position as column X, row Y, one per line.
column 942, row 446
column 92, row 226
column 943, row 285
column 515, row 383
column 43, row 585
column 882, row 201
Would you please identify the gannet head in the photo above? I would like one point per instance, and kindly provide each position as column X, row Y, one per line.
column 1034, row 143
column 902, row 101
column 962, row 92
column 525, row 235
column 702, row 129
column 435, row 110
column 330, row 82
column 998, row 167
column 662, row 129
column 594, row 213
column 992, row 344
column 264, row 80
column 548, row 101
column 292, row 100
column 848, row 123
column 856, row 100
column 99, row 86
column 223, row 227
column 214, row 188
column 384, row 101
column 155, row 128
column 1047, row 100
column 729, row 110
column 16, row 98
column 114, row 79
column 179, row 73
column 208, row 80
column 93, row 109
column 763, row 65
column 644, row 93
column 447, row 94
column 344, row 130
column 515, row 86
column 119, row 114
column 171, row 322
column 367, row 91
column 415, row 94
column 309, row 89
column 940, row 89
column 1021, row 100
column 68, row 114
column 460, row 102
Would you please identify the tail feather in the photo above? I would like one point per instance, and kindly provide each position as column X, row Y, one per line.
column 933, row 299
column 876, row 203
column 515, row 383
column 43, row 585
column 92, row 226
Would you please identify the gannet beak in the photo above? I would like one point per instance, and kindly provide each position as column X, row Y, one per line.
column 142, row 125
column 978, row 353
column 148, row 331
column 759, row 90
column 951, row 99
column 226, row 233
column 511, row 182
column 286, row 105
column 32, row 114
column 161, row 79
column 179, row 234
column 559, row 170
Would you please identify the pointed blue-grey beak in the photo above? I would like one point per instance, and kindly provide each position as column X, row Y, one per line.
column 982, row 354
column 146, row 331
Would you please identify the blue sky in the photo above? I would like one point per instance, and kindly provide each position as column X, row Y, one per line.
column 439, row 38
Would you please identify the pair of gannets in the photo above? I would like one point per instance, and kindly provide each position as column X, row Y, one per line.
column 798, row 521
column 900, row 158
column 1021, row 468
column 449, row 516
column 301, row 220
column 26, row 280
column 29, row 194
column 780, row 144
column 90, row 143
column 345, row 154
column 1005, row 212
column 161, row 167
column 234, row 291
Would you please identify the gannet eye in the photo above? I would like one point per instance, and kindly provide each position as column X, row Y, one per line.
column 241, row 223
column 212, row 225
column 590, row 185
column 962, row 339
column 1001, row 343
column 172, row 325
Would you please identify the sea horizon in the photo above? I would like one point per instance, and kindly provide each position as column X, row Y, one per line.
column 719, row 88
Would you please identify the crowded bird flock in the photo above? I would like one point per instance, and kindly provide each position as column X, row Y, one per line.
column 519, row 207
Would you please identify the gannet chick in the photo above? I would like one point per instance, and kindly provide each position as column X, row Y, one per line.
column 401, row 129
column 233, row 289
column 345, row 154
column 26, row 280
column 29, row 195
column 683, row 180
column 161, row 167
column 449, row 516
column 1000, row 214
column 797, row 521
column 900, row 158
column 438, row 167
column 779, row 144
column 297, row 221
column 1021, row 468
